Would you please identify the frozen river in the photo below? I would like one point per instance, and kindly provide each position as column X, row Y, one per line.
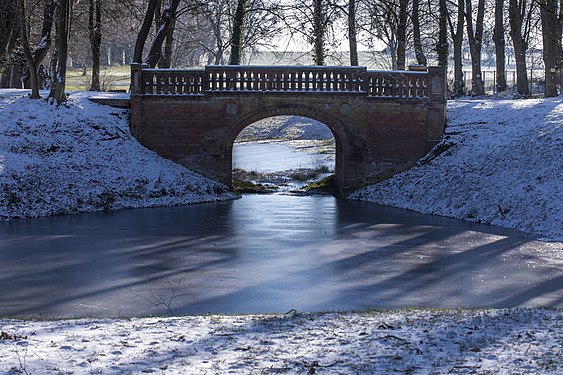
column 267, row 253
column 267, row 157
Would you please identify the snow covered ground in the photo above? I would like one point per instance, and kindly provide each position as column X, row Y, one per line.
column 500, row 162
column 81, row 157
column 285, row 128
column 516, row 341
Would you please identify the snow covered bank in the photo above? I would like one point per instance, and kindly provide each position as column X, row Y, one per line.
column 81, row 157
column 500, row 162
column 285, row 128
column 516, row 341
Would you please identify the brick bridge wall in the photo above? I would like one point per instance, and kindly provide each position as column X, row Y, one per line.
column 382, row 121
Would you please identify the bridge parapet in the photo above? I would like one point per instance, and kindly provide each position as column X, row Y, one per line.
column 287, row 79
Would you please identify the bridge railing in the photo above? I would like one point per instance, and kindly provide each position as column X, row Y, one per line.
column 172, row 81
column 248, row 79
column 397, row 84
column 284, row 79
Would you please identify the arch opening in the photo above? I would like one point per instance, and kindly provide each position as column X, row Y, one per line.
column 285, row 153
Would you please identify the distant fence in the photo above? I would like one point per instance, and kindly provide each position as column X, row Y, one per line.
column 536, row 81
column 284, row 79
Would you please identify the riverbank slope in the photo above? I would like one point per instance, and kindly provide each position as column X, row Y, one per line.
column 499, row 162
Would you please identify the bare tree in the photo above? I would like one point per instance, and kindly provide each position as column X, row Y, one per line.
column 520, row 14
column 385, row 25
column 402, row 34
column 27, row 52
column 552, row 26
column 9, row 35
column 442, row 47
column 144, row 31
column 320, row 21
column 420, row 56
column 62, row 24
column 500, row 46
column 164, row 27
column 237, row 33
column 475, row 37
column 456, row 31
column 95, row 36
column 35, row 56
column 352, row 33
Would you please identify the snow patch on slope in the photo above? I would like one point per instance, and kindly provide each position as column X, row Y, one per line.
column 500, row 162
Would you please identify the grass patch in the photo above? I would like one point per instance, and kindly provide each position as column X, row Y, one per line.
column 115, row 77
column 303, row 174
column 246, row 187
column 326, row 185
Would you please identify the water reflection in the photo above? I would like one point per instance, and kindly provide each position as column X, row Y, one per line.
column 266, row 253
column 267, row 157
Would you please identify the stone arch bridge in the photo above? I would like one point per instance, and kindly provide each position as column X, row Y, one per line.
column 382, row 121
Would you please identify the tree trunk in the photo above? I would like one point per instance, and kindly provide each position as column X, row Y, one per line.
column 237, row 33
column 42, row 48
column 155, row 53
column 402, row 34
column 95, row 35
column 40, row 51
column 475, row 37
column 551, row 35
column 420, row 57
column 516, row 14
column 319, row 33
column 8, row 26
column 144, row 32
column 457, row 39
column 63, row 27
column 352, row 36
column 500, row 45
column 166, row 60
column 442, row 47
column 27, row 52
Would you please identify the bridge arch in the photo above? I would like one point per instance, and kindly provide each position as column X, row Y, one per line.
column 337, row 127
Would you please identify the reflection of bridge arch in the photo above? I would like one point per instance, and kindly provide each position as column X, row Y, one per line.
column 382, row 121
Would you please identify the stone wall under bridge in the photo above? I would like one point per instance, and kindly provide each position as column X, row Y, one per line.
column 382, row 121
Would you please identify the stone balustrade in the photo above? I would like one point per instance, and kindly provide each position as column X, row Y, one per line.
column 286, row 79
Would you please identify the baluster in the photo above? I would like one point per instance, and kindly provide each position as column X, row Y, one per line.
column 211, row 84
column 191, row 85
column 179, row 84
column 260, row 80
column 293, row 78
column 166, row 84
column 149, row 83
column 158, row 84
column 254, row 82
column 278, row 81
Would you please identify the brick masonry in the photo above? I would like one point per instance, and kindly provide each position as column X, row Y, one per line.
column 374, row 136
